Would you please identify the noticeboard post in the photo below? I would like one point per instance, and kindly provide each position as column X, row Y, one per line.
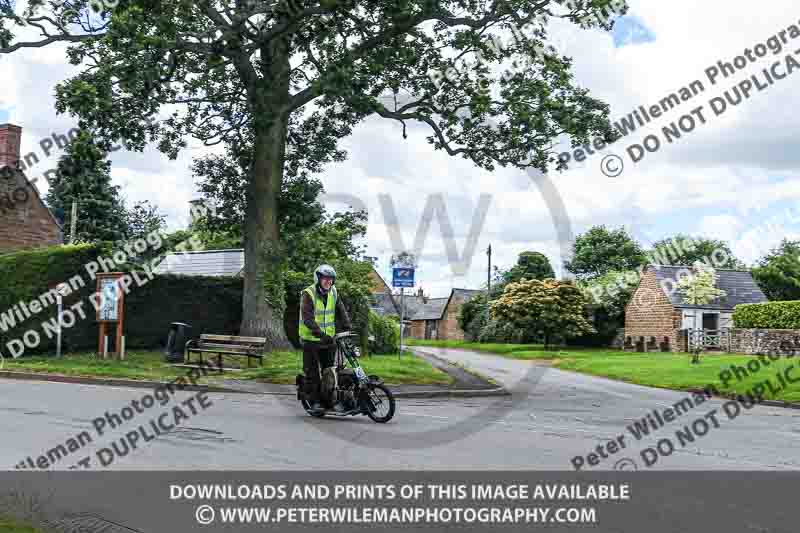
column 109, row 302
column 402, row 277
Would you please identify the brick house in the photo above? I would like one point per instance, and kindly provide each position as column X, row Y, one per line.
column 25, row 221
column 657, row 311
column 437, row 318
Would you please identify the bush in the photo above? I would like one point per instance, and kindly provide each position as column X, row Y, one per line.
column 386, row 332
column 769, row 315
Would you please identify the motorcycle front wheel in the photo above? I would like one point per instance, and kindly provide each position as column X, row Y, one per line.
column 378, row 402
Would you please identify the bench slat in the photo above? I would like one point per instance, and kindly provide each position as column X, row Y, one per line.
column 220, row 350
column 224, row 346
column 231, row 338
column 244, row 354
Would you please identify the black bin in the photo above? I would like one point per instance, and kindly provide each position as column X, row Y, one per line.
column 176, row 342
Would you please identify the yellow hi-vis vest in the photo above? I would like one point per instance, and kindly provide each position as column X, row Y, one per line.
column 324, row 315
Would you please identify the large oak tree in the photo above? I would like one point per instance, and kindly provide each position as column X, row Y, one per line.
column 286, row 81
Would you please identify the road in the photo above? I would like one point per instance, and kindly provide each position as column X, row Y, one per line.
column 553, row 417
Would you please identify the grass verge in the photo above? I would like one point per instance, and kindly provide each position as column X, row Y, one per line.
column 664, row 370
column 279, row 367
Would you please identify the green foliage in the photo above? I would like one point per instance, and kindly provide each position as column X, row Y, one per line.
column 769, row 315
column 386, row 333
column 601, row 250
column 530, row 265
column 685, row 250
column 551, row 308
column 778, row 273
column 607, row 296
column 143, row 219
column 472, row 316
column 223, row 182
column 83, row 176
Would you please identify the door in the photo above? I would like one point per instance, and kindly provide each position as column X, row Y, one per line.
column 429, row 329
column 711, row 321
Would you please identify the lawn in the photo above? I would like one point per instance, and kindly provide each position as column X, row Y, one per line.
column 8, row 525
column 665, row 370
column 279, row 367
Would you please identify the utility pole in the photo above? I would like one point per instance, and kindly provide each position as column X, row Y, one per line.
column 73, row 221
column 489, row 271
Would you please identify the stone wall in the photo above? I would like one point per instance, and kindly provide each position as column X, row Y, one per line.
column 651, row 314
column 764, row 341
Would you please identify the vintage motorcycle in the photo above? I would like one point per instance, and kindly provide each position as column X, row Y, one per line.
column 349, row 388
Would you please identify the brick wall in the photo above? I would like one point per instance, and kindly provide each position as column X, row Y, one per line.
column 651, row 314
column 10, row 141
column 25, row 222
column 448, row 326
column 417, row 329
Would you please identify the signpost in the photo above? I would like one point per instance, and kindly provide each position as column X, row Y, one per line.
column 62, row 289
column 110, row 309
column 402, row 277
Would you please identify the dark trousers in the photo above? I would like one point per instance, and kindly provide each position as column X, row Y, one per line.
column 316, row 356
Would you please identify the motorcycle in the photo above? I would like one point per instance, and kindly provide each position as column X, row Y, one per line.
column 350, row 388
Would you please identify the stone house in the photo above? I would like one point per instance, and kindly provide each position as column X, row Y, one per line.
column 656, row 315
column 25, row 220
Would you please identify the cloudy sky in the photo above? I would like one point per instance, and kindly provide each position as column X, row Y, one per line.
column 733, row 177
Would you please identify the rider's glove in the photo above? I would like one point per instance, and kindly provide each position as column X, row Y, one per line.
column 326, row 339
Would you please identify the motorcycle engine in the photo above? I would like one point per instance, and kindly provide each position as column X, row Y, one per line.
column 347, row 398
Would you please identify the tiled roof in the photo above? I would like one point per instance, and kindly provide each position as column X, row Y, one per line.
column 739, row 285
column 208, row 263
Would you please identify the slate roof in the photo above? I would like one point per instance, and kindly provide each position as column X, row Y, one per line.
column 739, row 285
column 206, row 263
column 429, row 311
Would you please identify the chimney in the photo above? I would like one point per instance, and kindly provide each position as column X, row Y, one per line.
column 10, row 141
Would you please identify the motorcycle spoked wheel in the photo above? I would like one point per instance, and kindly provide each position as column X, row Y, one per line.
column 378, row 402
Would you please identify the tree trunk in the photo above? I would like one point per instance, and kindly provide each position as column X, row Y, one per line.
column 263, row 252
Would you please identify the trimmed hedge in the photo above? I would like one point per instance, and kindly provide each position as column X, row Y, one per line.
column 769, row 315
column 209, row 305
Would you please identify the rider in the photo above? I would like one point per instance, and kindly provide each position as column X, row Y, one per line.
column 320, row 306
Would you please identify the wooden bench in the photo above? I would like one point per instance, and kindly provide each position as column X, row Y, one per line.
column 250, row 347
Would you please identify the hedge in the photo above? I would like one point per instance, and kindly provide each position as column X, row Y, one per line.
column 208, row 304
column 769, row 315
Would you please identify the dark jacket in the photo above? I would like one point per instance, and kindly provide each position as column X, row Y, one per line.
column 307, row 310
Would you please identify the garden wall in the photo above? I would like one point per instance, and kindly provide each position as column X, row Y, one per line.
column 764, row 341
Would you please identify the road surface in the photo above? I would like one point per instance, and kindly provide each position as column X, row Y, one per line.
column 555, row 417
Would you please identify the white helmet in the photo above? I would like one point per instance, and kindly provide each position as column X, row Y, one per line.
column 325, row 270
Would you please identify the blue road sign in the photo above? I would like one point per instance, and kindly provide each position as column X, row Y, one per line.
column 402, row 277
